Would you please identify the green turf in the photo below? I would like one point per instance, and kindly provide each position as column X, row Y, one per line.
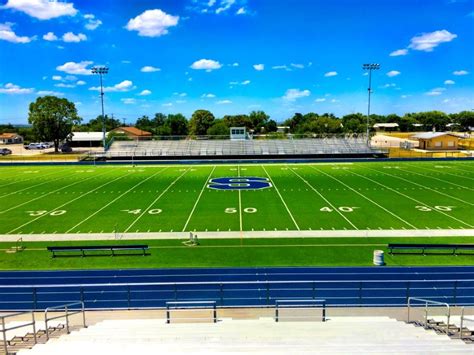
column 384, row 195
column 235, row 253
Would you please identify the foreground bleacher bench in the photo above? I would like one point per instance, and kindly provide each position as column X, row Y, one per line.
column 424, row 247
column 112, row 248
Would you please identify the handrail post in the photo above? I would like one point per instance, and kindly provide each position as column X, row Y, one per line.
column 462, row 321
column 67, row 320
column 167, row 313
column 324, row 311
column 426, row 315
column 46, row 323
column 448, row 316
column 34, row 327
column 408, row 310
column 276, row 311
column 215, row 313
column 5, row 346
column 83, row 315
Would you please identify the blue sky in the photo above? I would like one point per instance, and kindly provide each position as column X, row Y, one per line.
column 234, row 56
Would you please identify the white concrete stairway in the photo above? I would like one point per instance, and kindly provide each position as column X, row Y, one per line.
column 345, row 335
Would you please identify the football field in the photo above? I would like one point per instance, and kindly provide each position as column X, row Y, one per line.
column 220, row 198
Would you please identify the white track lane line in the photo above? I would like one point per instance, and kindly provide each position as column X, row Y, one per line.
column 282, row 200
column 428, row 188
column 154, row 201
column 67, row 203
column 413, row 199
column 51, row 192
column 198, row 199
column 325, row 199
column 368, row 199
column 115, row 199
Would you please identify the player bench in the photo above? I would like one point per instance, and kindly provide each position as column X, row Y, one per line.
column 424, row 247
column 112, row 248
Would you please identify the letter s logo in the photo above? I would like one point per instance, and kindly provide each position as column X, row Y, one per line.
column 239, row 183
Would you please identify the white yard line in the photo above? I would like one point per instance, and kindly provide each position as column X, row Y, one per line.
column 154, row 201
column 432, row 177
column 49, row 193
column 67, row 203
column 199, row 198
column 376, row 233
column 443, row 172
column 368, row 199
column 115, row 199
column 30, row 187
column 423, row 186
column 413, row 199
column 325, row 199
column 240, row 203
column 38, row 176
column 281, row 198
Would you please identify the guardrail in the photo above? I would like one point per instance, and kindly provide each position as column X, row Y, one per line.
column 250, row 293
column 183, row 305
column 427, row 303
column 4, row 329
column 67, row 313
column 303, row 303
column 463, row 319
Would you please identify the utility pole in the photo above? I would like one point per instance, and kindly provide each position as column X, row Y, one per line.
column 101, row 71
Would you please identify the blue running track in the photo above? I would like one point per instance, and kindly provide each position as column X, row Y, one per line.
column 232, row 287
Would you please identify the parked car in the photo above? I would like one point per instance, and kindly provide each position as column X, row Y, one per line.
column 35, row 146
column 65, row 148
column 46, row 145
column 5, row 151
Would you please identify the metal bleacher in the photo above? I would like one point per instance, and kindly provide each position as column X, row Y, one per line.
column 187, row 148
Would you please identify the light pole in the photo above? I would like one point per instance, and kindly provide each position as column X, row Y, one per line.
column 369, row 67
column 101, row 71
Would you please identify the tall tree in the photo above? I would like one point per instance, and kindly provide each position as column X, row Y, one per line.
column 53, row 118
column 178, row 125
column 200, row 122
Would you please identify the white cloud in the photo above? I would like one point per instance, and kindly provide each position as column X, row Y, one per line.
column 149, row 69
column 245, row 82
column 206, row 64
column 92, row 22
column 224, row 6
column 129, row 101
column 63, row 85
column 152, row 23
column 71, row 37
column 49, row 93
column 126, row 61
column 76, row 68
column 449, row 82
column 13, row 89
column 297, row 66
column 7, row 34
column 391, row 85
column 435, row 92
column 460, row 72
column 322, row 99
column 168, row 104
column 124, row 86
column 241, row 11
column 334, row 101
column 81, row 82
column 393, row 73
column 428, row 41
column 50, row 36
column 293, row 94
column 223, row 102
column 180, row 101
column 330, row 73
column 208, row 96
column 57, row 77
column 180, row 94
column 399, row 52
column 259, row 67
column 281, row 67
column 42, row 9
column 145, row 93
column 234, row 64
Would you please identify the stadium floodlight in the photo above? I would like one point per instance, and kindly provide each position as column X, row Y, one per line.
column 101, row 71
column 369, row 67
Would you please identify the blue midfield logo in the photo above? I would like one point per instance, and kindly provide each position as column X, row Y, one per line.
column 239, row 183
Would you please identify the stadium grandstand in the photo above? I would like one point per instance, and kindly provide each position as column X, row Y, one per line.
column 203, row 147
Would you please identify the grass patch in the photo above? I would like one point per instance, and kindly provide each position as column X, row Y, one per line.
column 234, row 253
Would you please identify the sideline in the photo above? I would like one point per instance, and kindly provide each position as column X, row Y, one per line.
column 375, row 233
